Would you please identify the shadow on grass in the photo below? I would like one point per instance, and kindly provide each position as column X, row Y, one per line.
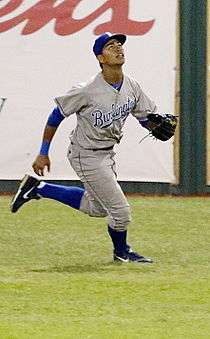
column 77, row 268
column 95, row 268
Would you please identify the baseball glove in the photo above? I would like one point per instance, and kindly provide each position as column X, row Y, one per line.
column 162, row 127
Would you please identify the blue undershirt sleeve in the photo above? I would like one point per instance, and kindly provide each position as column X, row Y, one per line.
column 55, row 118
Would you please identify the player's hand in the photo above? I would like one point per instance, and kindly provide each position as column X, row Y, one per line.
column 41, row 163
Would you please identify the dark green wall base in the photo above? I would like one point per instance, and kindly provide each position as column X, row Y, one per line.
column 10, row 186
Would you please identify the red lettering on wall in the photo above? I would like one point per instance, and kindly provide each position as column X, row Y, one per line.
column 44, row 11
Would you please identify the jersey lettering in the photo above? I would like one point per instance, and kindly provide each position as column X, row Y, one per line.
column 118, row 112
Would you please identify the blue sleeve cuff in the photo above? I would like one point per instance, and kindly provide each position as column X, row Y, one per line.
column 44, row 148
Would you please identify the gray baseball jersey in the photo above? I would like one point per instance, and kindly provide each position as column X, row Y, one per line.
column 102, row 110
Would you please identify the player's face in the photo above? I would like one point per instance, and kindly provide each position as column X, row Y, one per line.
column 113, row 53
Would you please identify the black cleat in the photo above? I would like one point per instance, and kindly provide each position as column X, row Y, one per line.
column 133, row 256
column 130, row 256
column 26, row 192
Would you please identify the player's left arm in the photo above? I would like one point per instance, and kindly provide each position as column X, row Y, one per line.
column 143, row 108
column 161, row 126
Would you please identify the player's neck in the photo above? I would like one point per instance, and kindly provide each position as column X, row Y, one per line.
column 112, row 75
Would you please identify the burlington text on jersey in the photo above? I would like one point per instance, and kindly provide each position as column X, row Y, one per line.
column 117, row 112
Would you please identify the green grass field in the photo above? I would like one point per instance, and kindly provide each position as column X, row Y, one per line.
column 57, row 278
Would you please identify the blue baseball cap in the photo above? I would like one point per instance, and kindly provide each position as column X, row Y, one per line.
column 101, row 41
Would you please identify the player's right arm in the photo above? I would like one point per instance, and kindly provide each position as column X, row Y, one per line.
column 42, row 161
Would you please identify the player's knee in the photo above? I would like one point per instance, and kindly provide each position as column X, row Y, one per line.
column 91, row 207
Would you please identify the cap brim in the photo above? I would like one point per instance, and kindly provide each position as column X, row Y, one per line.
column 119, row 37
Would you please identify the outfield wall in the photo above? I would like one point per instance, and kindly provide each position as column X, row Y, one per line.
column 46, row 49
column 191, row 151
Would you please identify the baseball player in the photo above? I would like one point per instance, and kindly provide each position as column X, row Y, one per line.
column 102, row 106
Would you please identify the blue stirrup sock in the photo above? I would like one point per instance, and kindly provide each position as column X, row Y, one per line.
column 69, row 195
column 118, row 239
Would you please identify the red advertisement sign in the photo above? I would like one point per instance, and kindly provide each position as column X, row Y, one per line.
column 42, row 12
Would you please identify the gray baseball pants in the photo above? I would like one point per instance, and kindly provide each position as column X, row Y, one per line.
column 103, row 195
